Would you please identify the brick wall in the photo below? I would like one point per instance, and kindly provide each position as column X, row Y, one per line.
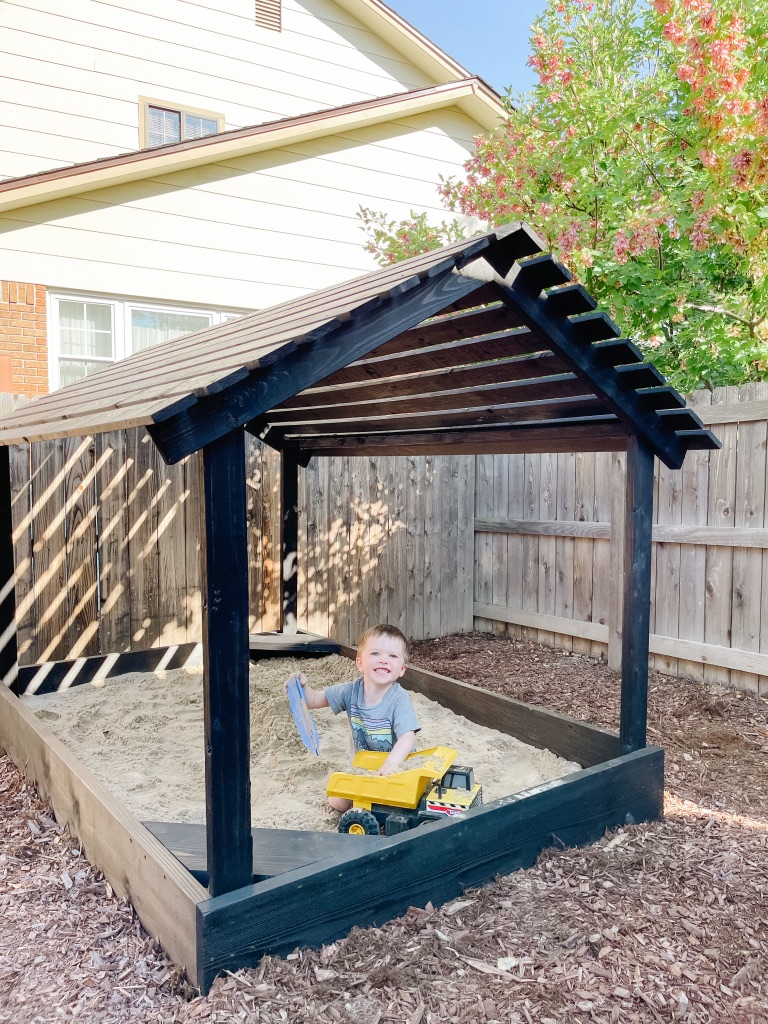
column 23, row 339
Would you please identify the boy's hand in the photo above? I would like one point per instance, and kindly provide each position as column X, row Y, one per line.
column 390, row 768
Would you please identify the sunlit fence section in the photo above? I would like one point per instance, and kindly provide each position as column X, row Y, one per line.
column 548, row 557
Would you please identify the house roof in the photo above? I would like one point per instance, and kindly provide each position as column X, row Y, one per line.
column 484, row 345
column 471, row 95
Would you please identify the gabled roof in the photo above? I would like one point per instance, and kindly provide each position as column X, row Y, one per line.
column 485, row 345
column 471, row 95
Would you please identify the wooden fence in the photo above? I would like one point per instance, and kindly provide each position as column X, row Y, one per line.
column 106, row 541
column 546, row 567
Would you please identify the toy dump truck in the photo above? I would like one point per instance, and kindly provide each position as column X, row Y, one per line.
column 430, row 787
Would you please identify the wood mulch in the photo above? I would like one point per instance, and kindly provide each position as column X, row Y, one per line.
column 663, row 922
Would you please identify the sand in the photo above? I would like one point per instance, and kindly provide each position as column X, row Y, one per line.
column 142, row 735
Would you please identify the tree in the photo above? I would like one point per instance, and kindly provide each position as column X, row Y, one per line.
column 642, row 157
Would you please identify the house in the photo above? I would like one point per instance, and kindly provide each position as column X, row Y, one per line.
column 165, row 166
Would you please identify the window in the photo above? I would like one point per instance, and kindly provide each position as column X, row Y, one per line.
column 88, row 333
column 161, row 123
column 269, row 14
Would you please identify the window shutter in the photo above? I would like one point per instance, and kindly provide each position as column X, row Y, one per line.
column 268, row 14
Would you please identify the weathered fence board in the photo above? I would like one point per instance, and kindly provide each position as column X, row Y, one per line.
column 710, row 563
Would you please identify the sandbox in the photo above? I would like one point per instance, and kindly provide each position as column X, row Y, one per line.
column 141, row 734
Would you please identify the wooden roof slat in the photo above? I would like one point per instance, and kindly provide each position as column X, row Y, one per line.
column 421, row 385
column 632, row 376
column 591, row 327
column 540, row 272
column 699, row 440
column 563, row 409
column 503, row 371
column 515, row 392
column 452, row 355
column 684, row 419
column 569, row 299
column 663, row 397
column 617, row 352
column 457, row 327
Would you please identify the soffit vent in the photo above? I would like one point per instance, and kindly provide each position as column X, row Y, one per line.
column 268, row 14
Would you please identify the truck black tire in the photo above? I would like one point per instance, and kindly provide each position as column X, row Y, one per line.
column 357, row 822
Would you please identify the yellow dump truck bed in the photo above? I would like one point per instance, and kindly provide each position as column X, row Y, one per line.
column 404, row 789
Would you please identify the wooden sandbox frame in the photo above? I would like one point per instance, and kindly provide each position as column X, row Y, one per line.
column 322, row 901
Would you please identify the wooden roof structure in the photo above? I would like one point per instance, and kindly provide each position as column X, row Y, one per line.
column 485, row 345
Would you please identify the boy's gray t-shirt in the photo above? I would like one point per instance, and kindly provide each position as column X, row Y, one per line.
column 378, row 727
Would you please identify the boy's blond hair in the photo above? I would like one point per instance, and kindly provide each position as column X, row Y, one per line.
column 384, row 630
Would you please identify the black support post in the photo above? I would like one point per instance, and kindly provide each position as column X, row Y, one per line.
column 225, row 651
column 637, row 597
column 8, row 650
column 289, row 541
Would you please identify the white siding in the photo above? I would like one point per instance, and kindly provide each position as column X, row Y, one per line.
column 242, row 234
column 73, row 73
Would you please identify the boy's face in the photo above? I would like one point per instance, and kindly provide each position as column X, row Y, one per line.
column 382, row 660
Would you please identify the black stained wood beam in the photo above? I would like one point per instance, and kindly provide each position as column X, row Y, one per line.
column 560, row 409
column 289, row 541
column 633, row 376
column 321, row 353
column 617, row 352
column 224, row 558
column 456, row 327
column 530, row 388
column 637, row 596
column 484, row 295
column 503, row 345
column 8, row 648
column 570, row 299
column 435, row 862
column 567, row 737
column 661, row 398
column 50, row 676
column 524, row 291
column 600, row 434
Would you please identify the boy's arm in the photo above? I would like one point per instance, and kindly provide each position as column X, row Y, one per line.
column 398, row 754
column 315, row 698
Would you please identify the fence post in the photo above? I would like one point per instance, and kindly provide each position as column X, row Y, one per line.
column 618, row 529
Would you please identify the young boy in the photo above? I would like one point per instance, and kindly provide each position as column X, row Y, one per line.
column 379, row 710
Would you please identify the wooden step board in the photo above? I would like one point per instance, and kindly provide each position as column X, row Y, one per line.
column 275, row 850
column 285, row 645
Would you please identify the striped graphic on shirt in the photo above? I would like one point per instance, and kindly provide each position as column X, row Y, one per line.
column 377, row 730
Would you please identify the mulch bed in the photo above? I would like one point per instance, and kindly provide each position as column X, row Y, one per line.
column 657, row 922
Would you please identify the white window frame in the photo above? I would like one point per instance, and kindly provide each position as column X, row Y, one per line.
column 145, row 102
column 122, row 307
